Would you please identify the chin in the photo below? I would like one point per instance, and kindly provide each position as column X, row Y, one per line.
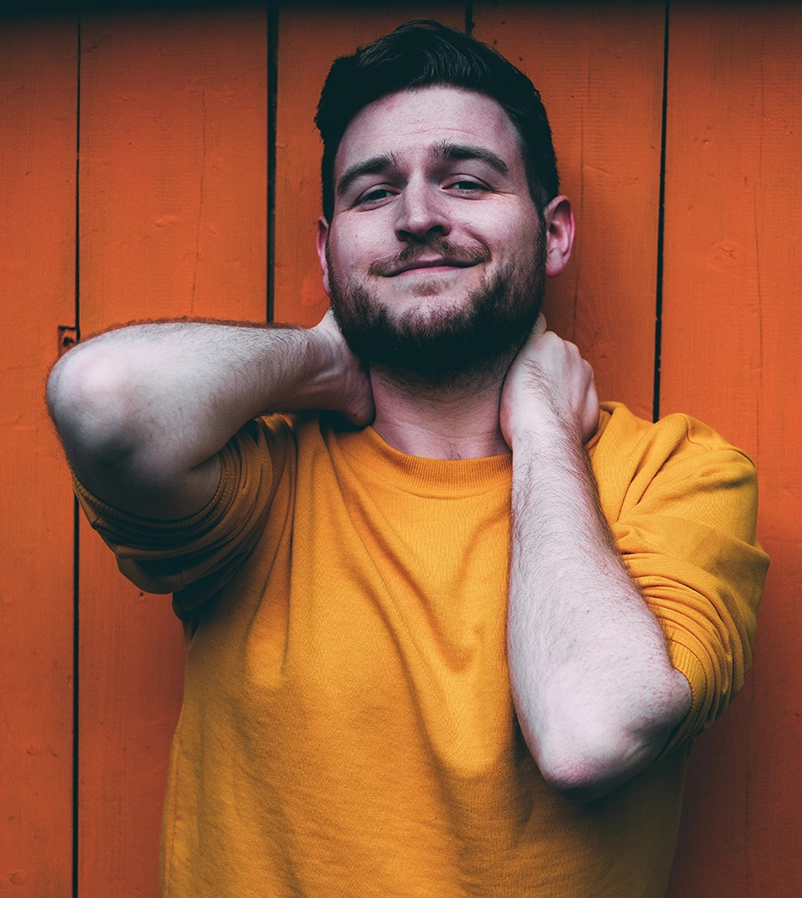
column 454, row 288
column 442, row 336
column 428, row 306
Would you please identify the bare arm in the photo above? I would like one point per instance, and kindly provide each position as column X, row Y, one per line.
column 594, row 690
column 143, row 410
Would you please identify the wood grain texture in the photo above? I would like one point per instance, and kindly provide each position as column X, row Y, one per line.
column 174, row 126
column 599, row 69
column 172, row 222
column 731, row 323
column 173, row 123
column 37, row 289
column 310, row 38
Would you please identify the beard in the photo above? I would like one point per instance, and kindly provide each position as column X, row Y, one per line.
column 452, row 346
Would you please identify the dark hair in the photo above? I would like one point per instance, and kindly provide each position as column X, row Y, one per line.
column 423, row 53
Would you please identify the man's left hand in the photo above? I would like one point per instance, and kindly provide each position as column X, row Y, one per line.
column 549, row 385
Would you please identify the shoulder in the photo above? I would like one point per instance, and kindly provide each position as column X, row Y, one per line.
column 620, row 431
column 678, row 457
column 278, row 435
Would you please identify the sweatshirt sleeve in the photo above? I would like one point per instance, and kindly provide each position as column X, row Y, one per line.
column 682, row 506
column 195, row 557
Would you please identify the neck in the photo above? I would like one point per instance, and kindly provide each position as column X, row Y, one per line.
column 456, row 420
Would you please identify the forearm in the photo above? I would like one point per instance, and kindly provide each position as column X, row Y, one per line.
column 143, row 410
column 594, row 689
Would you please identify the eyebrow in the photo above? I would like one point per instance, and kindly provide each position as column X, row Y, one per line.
column 441, row 152
column 373, row 166
column 456, row 152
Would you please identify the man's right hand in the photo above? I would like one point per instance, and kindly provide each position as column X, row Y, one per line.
column 353, row 395
column 144, row 410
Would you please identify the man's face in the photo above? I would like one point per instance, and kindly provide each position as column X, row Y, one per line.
column 435, row 256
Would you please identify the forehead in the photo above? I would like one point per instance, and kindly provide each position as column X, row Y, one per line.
column 411, row 122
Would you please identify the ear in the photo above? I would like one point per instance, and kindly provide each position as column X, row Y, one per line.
column 559, row 234
column 322, row 237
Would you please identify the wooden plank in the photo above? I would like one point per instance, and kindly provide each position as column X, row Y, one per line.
column 731, row 322
column 172, row 222
column 38, row 106
column 310, row 38
column 599, row 69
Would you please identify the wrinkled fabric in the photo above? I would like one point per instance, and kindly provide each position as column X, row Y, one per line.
column 348, row 727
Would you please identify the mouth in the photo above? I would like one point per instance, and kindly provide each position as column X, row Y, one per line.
column 430, row 266
column 431, row 260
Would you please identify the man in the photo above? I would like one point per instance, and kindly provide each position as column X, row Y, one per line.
column 416, row 662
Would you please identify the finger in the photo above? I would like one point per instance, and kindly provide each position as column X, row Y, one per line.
column 590, row 416
column 540, row 326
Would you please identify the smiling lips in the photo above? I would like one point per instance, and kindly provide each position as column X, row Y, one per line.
column 427, row 264
column 417, row 259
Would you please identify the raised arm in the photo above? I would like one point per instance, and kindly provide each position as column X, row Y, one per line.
column 143, row 410
column 593, row 686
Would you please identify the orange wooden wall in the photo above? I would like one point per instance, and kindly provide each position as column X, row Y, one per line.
column 168, row 212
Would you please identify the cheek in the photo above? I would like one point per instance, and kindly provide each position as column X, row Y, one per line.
column 523, row 235
column 353, row 247
column 348, row 259
column 506, row 229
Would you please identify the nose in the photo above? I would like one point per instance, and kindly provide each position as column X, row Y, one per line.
column 422, row 213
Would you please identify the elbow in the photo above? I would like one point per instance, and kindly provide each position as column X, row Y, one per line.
column 584, row 772
column 86, row 397
column 589, row 754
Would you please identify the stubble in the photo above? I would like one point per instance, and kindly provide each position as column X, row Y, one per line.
column 466, row 346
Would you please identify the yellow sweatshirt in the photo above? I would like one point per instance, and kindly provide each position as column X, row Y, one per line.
column 348, row 728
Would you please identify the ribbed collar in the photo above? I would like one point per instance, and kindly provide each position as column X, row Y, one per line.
column 425, row 476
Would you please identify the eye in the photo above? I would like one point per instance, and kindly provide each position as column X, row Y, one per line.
column 374, row 196
column 467, row 186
